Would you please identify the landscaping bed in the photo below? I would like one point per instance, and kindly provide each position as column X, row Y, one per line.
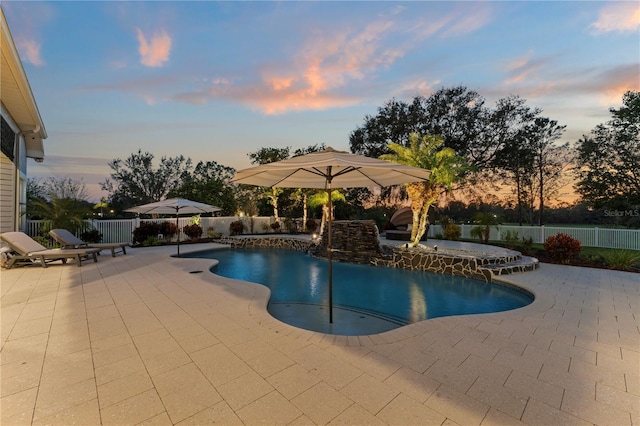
column 590, row 257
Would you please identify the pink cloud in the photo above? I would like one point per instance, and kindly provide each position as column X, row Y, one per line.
column 623, row 16
column 155, row 52
column 325, row 64
column 616, row 81
column 524, row 68
column 330, row 62
column 27, row 34
column 30, row 51
column 311, row 81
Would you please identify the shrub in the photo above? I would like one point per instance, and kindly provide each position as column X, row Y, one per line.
column 311, row 225
column 168, row 229
column 146, row 230
column 275, row 226
column 452, row 232
column 192, row 231
column 622, row 259
column 483, row 229
column 236, row 227
column 511, row 238
column 562, row 247
column 527, row 245
column 45, row 241
column 91, row 236
column 151, row 241
column 290, row 225
column 212, row 233
column 479, row 231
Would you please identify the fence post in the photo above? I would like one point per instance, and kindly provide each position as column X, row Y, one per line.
column 542, row 234
column 596, row 242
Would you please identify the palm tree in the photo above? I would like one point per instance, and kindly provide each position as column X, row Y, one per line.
column 446, row 168
column 66, row 213
column 101, row 205
column 322, row 199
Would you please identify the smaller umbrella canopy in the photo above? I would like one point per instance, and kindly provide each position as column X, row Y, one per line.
column 175, row 206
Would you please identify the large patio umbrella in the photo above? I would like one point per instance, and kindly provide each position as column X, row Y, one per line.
column 330, row 169
column 175, row 206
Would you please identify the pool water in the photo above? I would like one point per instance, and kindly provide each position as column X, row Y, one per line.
column 366, row 299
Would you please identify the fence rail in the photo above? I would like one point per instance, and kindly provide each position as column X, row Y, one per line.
column 121, row 230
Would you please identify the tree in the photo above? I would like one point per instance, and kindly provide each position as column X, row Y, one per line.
column 301, row 195
column 61, row 203
column 549, row 160
column 322, row 199
column 208, row 183
column 487, row 137
column 395, row 121
column 35, row 191
column 446, row 167
column 608, row 164
column 517, row 168
column 460, row 117
column 135, row 180
column 265, row 156
column 101, row 205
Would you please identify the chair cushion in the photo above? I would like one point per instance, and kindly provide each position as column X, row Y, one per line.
column 21, row 242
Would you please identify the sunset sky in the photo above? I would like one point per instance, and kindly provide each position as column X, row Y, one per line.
column 217, row 80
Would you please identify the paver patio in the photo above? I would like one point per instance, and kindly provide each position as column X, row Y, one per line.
column 138, row 339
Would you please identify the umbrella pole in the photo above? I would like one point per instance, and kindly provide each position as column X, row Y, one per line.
column 178, row 226
column 330, row 250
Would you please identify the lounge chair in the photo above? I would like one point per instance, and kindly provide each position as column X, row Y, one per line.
column 27, row 250
column 67, row 240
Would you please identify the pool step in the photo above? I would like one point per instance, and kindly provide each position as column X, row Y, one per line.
column 523, row 264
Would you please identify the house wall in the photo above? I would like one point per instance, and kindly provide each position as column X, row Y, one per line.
column 13, row 182
column 7, row 195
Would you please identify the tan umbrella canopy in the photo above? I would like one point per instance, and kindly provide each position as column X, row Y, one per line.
column 175, row 206
column 330, row 169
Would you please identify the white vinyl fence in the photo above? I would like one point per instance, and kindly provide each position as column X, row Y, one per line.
column 121, row 230
column 588, row 237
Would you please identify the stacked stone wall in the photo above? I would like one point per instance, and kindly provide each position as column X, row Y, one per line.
column 272, row 242
column 354, row 241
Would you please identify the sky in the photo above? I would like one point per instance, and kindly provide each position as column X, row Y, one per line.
column 215, row 81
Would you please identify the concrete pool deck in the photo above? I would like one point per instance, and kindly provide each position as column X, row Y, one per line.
column 142, row 339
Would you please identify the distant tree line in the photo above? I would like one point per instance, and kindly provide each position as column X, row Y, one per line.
column 510, row 144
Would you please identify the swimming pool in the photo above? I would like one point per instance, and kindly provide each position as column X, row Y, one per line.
column 366, row 299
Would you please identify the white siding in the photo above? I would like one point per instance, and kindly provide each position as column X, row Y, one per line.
column 7, row 194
